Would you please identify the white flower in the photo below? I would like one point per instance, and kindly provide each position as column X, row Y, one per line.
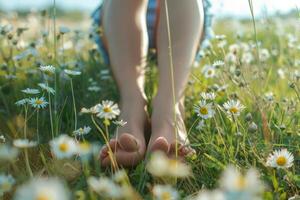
column 8, row 153
column 281, row 73
column 43, row 189
column 231, row 58
column 164, row 192
column 210, row 195
column 22, row 102
column 82, row 131
column 209, row 71
column 240, row 186
column 48, row 69
column 105, row 187
column 2, row 139
column 161, row 166
column 247, row 58
column 234, row 107
column 120, row 123
column 38, row 102
column 264, row 55
column 107, row 110
column 280, row 159
column 72, row 72
column 63, row 146
column 6, row 183
column 30, row 91
column 24, row 143
column 47, row 88
column 218, row 63
column 269, row 96
column 200, row 125
column 84, row 149
column 204, row 110
column 208, row 96
column 94, row 88
column 234, row 48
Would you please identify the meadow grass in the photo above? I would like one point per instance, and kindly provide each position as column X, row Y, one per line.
column 264, row 75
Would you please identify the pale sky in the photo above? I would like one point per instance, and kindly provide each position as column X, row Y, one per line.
column 221, row 7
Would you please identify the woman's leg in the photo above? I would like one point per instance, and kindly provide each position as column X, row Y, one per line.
column 125, row 31
column 186, row 26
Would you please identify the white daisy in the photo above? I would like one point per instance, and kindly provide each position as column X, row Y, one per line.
column 241, row 186
column 82, row 131
column 72, row 72
column 218, row 63
column 105, row 187
column 264, row 55
column 47, row 88
column 247, row 58
column 94, row 88
column 22, row 102
column 30, row 91
column 120, row 123
column 208, row 96
column 164, row 192
column 6, row 183
column 38, row 102
column 209, row 71
column 48, row 69
column 84, row 149
column 280, row 159
column 63, row 147
column 107, row 110
column 43, row 189
column 204, row 109
column 160, row 165
column 234, row 107
column 24, row 143
column 8, row 153
column 210, row 195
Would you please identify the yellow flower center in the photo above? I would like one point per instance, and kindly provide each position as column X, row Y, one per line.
column 281, row 161
column 107, row 109
column 209, row 72
column 166, row 196
column 81, row 130
column 203, row 111
column 42, row 197
column 39, row 102
column 241, row 182
column 84, row 146
column 233, row 110
column 63, row 147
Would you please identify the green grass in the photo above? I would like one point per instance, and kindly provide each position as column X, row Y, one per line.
column 217, row 144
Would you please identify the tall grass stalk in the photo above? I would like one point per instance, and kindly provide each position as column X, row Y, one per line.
column 74, row 104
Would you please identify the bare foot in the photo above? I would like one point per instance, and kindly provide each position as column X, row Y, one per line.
column 163, row 136
column 129, row 144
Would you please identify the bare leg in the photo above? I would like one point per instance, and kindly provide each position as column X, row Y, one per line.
column 126, row 34
column 186, row 27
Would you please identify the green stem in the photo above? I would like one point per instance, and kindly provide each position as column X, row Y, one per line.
column 37, row 125
column 27, row 163
column 50, row 112
column 74, row 104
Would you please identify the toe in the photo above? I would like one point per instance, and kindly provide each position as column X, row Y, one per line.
column 123, row 158
column 113, row 144
column 128, row 142
column 160, row 144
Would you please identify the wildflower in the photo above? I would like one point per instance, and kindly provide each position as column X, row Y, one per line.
column 247, row 58
column 38, row 102
column 120, row 123
column 84, row 149
column 218, row 63
column 94, row 88
column 264, row 55
column 43, row 189
column 82, row 131
column 47, row 69
column 2, row 138
column 120, row 176
column 281, row 73
column 210, row 195
column 161, row 166
column 234, row 48
column 22, row 102
column 208, row 96
column 105, row 187
column 72, row 72
column 63, row 146
column 24, row 143
column 8, row 153
column 200, row 125
column 204, row 110
column 164, row 192
column 231, row 58
column 209, row 71
column 107, row 110
column 30, row 91
column 240, row 186
column 6, row 183
column 46, row 88
column 280, row 159
column 269, row 96
column 234, row 107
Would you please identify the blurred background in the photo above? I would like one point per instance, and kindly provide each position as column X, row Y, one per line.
column 232, row 8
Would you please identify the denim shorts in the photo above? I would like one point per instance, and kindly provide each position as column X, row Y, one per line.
column 152, row 13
